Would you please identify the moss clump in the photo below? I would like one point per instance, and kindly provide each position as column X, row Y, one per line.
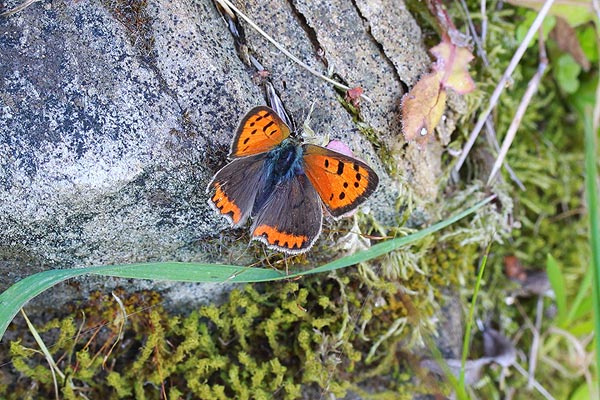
column 294, row 337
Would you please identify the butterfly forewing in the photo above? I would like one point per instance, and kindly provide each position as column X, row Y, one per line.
column 342, row 182
column 233, row 189
column 260, row 131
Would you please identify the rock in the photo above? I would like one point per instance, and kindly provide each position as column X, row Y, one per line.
column 113, row 121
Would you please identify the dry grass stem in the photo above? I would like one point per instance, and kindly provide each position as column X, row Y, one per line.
column 532, row 88
column 493, row 140
column 18, row 8
column 229, row 5
column 502, row 83
column 535, row 345
column 536, row 384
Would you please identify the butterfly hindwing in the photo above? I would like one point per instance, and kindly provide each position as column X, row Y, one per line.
column 342, row 182
column 260, row 131
column 290, row 220
column 234, row 188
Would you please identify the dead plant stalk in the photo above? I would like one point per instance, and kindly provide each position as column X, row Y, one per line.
column 502, row 83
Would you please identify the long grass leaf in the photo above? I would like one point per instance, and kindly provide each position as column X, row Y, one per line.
column 20, row 293
column 461, row 389
column 591, row 190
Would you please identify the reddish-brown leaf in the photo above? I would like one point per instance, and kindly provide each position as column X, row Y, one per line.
column 422, row 108
column 566, row 39
column 453, row 63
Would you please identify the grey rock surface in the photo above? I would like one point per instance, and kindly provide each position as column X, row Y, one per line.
column 113, row 121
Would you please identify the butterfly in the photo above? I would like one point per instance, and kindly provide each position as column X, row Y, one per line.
column 282, row 184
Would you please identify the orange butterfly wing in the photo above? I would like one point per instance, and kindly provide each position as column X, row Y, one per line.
column 342, row 182
column 260, row 130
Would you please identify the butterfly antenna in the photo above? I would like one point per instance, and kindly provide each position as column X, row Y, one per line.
column 234, row 26
column 276, row 104
column 230, row 6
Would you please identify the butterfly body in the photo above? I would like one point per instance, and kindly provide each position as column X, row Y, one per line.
column 282, row 164
column 283, row 185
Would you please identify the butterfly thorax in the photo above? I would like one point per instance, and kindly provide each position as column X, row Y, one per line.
column 283, row 163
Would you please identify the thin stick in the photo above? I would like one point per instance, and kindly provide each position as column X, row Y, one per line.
column 484, row 21
column 480, row 47
column 18, row 8
column 536, row 385
column 493, row 139
column 287, row 53
column 535, row 345
column 53, row 367
column 502, row 83
column 482, row 53
column 532, row 88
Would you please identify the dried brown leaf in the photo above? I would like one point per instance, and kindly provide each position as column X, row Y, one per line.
column 566, row 39
column 453, row 63
column 422, row 108
column 353, row 96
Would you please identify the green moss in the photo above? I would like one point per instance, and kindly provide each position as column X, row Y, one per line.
column 278, row 338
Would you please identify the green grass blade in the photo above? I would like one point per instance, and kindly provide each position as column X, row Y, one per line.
column 580, row 305
column 461, row 390
column 557, row 281
column 189, row 272
column 591, row 190
column 391, row 245
column 20, row 293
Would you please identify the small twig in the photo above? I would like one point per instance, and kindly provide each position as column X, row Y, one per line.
column 478, row 42
column 493, row 140
column 536, row 385
column 18, row 8
column 53, row 367
column 535, row 344
column 484, row 21
column 280, row 47
column 502, row 83
column 532, row 88
column 122, row 321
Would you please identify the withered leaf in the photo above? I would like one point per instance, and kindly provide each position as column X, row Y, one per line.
column 566, row 39
column 453, row 63
column 422, row 108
